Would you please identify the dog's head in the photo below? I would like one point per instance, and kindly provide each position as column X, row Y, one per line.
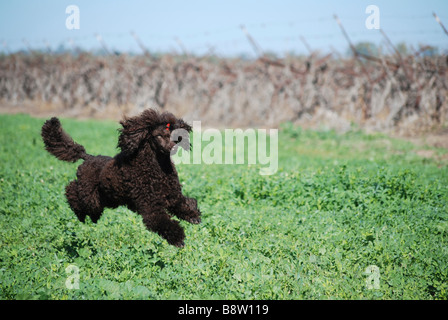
column 163, row 132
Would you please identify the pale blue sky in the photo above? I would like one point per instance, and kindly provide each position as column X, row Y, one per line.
column 276, row 25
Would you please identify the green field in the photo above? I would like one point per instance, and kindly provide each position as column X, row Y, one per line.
column 338, row 205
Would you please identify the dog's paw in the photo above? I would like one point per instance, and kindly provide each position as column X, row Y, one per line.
column 194, row 220
column 179, row 244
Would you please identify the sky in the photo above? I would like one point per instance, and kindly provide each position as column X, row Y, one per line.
column 200, row 26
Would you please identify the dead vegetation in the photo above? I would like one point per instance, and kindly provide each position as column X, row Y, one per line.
column 407, row 94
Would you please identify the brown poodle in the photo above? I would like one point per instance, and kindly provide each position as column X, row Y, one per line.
column 141, row 177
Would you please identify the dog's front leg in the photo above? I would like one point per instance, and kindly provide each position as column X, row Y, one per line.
column 186, row 209
column 162, row 224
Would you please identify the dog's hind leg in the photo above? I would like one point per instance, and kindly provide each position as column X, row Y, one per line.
column 71, row 193
column 84, row 201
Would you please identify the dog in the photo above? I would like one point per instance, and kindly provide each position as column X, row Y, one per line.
column 141, row 176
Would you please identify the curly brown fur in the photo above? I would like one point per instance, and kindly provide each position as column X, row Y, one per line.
column 141, row 177
column 59, row 143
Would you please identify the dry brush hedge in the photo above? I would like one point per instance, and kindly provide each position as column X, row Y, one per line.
column 406, row 92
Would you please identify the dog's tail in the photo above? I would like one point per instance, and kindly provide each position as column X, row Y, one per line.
column 59, row 143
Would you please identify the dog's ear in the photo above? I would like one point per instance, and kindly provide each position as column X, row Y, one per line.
column 135, row 130
column 130, row 139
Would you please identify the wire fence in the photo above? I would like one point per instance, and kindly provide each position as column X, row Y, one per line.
column 276, row 37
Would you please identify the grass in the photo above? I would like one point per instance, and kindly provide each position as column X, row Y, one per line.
column 337, row 205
